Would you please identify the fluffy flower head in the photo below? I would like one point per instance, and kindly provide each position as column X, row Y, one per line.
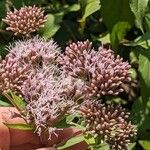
column 34, row 50
column 56, row 97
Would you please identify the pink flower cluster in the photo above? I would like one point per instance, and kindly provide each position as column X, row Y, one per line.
column 109, row 122
column 12, row 75
column 50, row 96
column 102, row 72
column 34, row 51
column 23, row 61
column 55, row 84
column 26, row 20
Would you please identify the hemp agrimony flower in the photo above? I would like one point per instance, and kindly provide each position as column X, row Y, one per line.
column 34, row 51
column 102, row 71
column 75, row 59
column 26, row 20
column 110, row 123
column 49, row 98
column 12, row 75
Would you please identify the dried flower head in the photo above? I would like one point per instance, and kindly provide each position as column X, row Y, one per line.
column 26, row 20
column 109, row 122
column 101, row 70
column 12, row 75
column 34, row 51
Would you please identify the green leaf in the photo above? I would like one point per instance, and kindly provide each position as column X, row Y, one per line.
column 139, row 116
column 3, row 51
column 145, row 144
column 68, row 31
column 73, row 141
column 89, row 7
column 18, row 102
column 2, row 9
column 89, row 139
column 72, row 8
column 104, row 38
column 20, row 126
column 147, row 22
column 62, row 123
column 114, row 11
column 118, row 32
column 4, row 104
column 143, row 41
column 103, row 147
column 51, row 26
column 131, row 146
column 70, row 118
column 139, row 8
column 144, row 70
column 141, row 107
column 19, row 3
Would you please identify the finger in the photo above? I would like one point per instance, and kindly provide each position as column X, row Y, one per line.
column 46, row 148
column 25, row 147
column 4, row 133
column 18, row 137
column 64, row 135
column 4, row 137
column 71, row 132
column 29, row 137
column 59, row 136
column 80, row 146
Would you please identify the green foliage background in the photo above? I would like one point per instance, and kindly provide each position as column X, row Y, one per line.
column 124, row 25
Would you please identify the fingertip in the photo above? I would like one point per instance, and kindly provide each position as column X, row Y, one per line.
column 4, row 137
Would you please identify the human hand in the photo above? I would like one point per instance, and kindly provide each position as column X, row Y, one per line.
column 13, row 139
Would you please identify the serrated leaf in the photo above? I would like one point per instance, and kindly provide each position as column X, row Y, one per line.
column 18, row 126
column 71, row 142
column 145, row 144
column 51, row 26
column 139, row 8
column 89, row 7
column 118, row 32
